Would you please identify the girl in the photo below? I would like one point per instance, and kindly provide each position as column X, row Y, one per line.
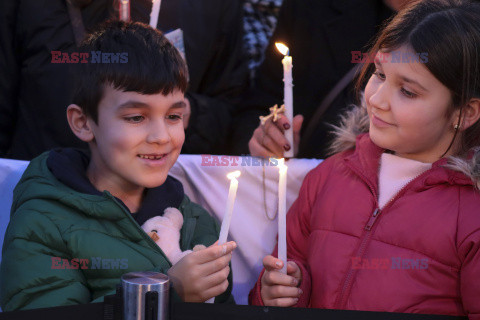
column 391, row 222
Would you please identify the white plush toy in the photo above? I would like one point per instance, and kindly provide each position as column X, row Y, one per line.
column 165, row 231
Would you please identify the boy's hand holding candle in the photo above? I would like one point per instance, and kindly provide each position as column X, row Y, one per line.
column 203, row 274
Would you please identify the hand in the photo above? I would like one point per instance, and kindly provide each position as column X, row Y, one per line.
column 278, row 289
column 268, row 140
column 202, row 275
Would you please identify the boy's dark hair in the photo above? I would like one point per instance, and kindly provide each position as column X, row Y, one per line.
column 137, row 58
column 448, row 33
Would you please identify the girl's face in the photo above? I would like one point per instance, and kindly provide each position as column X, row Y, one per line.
column 408, row 108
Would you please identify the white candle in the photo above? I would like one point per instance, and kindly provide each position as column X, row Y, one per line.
column 287, row 95
column 154, row 13
column 124, row 10
column 232, row 193
column 282, row 214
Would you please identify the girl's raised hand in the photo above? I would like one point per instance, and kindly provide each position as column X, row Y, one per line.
column 278, row 289
column 268, row 140
column 202, row 275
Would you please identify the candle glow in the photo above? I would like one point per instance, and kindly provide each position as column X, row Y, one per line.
column 283, row 49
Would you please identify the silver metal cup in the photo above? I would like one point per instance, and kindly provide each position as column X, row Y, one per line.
column 145, row 296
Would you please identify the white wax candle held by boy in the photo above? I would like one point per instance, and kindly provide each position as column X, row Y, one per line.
column 232, row 193
column 288, row 96
column 282, row 214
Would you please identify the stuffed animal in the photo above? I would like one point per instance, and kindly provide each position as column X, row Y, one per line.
column 165, row 231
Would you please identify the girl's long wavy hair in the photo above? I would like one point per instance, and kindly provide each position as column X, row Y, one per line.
column 447, row 32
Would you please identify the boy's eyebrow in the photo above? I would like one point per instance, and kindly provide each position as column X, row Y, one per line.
column 133, row 104
column 138, row 104
column 179, row 104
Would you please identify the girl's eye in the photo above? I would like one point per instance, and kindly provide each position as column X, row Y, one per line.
column 408, row 94
column 379, row 75
column 134, row 119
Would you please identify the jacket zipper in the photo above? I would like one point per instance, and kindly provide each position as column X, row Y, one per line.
column 377, row 211
column 341, row 301
column 149, row 240
column 372, row 219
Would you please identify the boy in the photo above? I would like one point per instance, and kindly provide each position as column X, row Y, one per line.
column 75, row 222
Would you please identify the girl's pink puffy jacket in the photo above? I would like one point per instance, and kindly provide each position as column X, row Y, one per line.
column 419, row 254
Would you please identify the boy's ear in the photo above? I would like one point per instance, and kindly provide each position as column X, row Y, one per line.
column 79, row 123
column 471, row 113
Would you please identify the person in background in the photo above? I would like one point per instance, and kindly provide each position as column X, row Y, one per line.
column 34, row 92
column 259, row 21
column 321, row 36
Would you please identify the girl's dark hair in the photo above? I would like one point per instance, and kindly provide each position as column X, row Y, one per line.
column 447, row 32
column 130, row 56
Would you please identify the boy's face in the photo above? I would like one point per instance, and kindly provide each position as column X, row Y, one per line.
column 137, row 139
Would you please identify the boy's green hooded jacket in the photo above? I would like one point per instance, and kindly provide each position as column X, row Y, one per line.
column 50, row 221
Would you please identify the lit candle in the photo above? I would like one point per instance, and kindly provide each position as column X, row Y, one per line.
column 232, row 193
column 287, row 95
column 124, row 10
column 282, row 214
column 154, row 13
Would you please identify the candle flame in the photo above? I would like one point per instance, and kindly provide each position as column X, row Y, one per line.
column 282, row 48
column 234, row 175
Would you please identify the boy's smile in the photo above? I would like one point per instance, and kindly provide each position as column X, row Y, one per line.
column 137, row 139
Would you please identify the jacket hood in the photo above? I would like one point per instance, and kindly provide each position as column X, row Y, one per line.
column 355, row 122
column 61, row 175
column 38, row 182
